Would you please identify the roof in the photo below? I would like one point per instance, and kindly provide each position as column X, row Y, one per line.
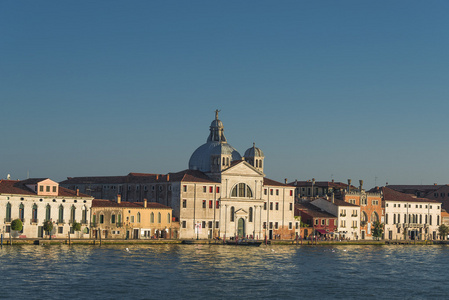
column 17, row 187
column 425, row 188
column 185, row 176
column 343, row 203
column 392, row 195
column 313, row 211
column 269, row 182
column 328, row 184
column 108, row 203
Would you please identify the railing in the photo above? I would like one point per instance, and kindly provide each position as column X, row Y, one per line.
column 34, row 221
column 83, row 221
column 60, row 221
column 72, row 221
column 342, row 215
column 354, row 215
column 93, row 224
column 7, row 220
column 119, row 224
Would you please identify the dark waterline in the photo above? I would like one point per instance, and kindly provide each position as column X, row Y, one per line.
column 210, row 271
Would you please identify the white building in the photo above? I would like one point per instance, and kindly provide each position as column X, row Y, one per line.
column 408, row 217
column 348, row 216
column 35, row 200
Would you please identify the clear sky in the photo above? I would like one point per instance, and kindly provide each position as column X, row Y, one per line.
column 327, row 89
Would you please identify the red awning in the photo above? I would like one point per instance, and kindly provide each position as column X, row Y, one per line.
column 322, row 231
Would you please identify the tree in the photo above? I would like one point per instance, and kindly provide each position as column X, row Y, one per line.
column 443, row 231
column 76, row 226
column 16, row 225
column 378, row 229
column 48, row 227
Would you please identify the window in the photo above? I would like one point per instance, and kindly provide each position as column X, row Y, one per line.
column 277, row 205
column 265, row 206
column 138, row 217
column 343, row 223
column 101, row 219
column 211, row 189
column 430, row 219
column 217, row 204
column 168, row 218
column 159, row 218
column 322, row 222
column 152, row 218
column 61, row 214
column 184, row 188
column 264, row 225
column 204, row 203
column 271, row 205
column 34, row 214
column 316, row 221
column 210, row 224
column 271, row 191
column 241, row 190
column 8, row 212
column 291, row 194
column 210, row 204
column 72, row 214
column 386, row 219
column 218, row 189
column 232, row 214
column 41, row 188
column 291, row 206
column 60, row 230
column 271, row 225
column 203, row 224
column 184, row 225
column 204, row 189
column 47, row 188
column 250, row 217
column 264, row 191
column 184, row 203
column 277, row 192
column 21, row 207
column 290, row 225
column 216, row 224
column 276, row 225
column 112, row 218
column 354, row 224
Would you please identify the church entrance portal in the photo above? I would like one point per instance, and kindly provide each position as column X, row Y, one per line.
column 241, row 228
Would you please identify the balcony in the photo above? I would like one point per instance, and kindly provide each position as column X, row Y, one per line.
column 84, row 222
column 60, row 221
column 342, row 215
column 34, row 221
column 93, row 224
column 354, row 215
column 8, row 220
column 119, row 224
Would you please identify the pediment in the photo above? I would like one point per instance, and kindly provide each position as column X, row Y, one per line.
column 242, row 168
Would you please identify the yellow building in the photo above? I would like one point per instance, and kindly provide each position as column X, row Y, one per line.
column 131, row 220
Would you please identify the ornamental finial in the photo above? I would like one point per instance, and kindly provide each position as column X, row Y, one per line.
column 216, row 114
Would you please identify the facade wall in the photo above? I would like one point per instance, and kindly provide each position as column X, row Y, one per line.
column 32, row 226
column 407, row 220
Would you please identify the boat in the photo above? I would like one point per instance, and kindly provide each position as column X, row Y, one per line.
column 243, row 242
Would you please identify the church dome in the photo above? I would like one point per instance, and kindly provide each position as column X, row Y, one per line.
column 254, row 152
column 216, row 145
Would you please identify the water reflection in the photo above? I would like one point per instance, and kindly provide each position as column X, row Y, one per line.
column 211, row 271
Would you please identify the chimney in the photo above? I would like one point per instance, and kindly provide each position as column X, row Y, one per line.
column 333, row 197
column 145, row 202
column 349, row 185
column 168, row 177
column 333, row 181
column 119, row 198
column 157, row 177
column 361, row 184
column 285, row 180
column 77, row 192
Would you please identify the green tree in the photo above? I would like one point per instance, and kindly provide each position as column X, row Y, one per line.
column 16, row 225
column 443, row 231
column 76, row 227
column 48, row 227
column 378, row 229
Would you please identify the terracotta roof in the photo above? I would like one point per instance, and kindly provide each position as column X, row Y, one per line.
column 392, row 195
column 17, row 187
column 313, row 211
column 269, row 182
column 108, row 203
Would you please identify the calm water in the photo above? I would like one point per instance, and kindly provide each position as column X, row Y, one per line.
column 204, row 272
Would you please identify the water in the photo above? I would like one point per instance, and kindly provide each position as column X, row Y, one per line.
column 205, row 272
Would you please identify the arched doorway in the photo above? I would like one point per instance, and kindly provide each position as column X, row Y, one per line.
column 241, row 228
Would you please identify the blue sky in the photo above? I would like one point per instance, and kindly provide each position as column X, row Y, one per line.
column 327, row 89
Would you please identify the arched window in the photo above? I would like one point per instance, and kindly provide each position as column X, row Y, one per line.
column 241, row 190
column 159, row 218
column 138, row 217
column 47, row 212
column 34, row 214
column 113, row 218
column 119, row 220
column 232, row 214
column 61, row 214
column 152, row 218
column 8, row 212
column 260, row 163
column 374, row 217
column 224, row 161
column 257, row 163
column 84, row 217
column 72, row 214
column 168, row 218
column 101, row 218
column 250, row 217
column 21, row 209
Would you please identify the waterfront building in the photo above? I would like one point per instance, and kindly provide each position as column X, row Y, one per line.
column 348, row 216
column 220, row 195
column 34, row 201
column 435, row 192
column 409, row 217
column 371, row 209
column 315, row 221
column 131, row 220
column 315, row 189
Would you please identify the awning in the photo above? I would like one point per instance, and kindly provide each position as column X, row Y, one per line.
column 322, row 231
